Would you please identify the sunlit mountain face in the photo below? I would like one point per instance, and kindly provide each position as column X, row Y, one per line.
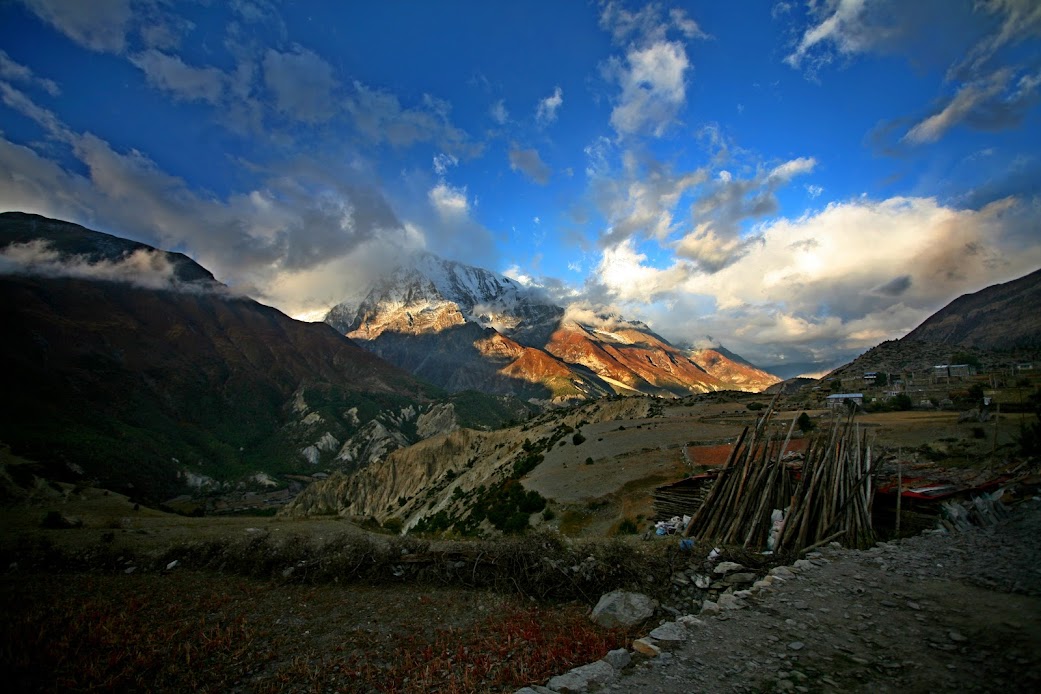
column 464, row 327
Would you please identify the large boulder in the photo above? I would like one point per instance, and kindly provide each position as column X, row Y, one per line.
column 621, row 608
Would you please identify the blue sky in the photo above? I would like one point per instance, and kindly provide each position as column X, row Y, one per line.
column 798, row 181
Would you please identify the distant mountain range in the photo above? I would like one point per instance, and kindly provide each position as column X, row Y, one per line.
column 462, row 327
column 134, row 368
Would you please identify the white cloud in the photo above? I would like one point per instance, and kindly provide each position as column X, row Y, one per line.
column 380, row 117
column 842, row 28
column 814, row 191
column 499, row 113
column 300, row 241
column 653, row 84
column 789, row 169
column 546, row 111
column 143, row 268
column 448, row 201
column 687, row 26
column 992, row 102
column 99, row 25
column 515, row 273
column 302, row 83
column 18, row 101
column 985, row 87
column 835, row 282
column 528, row 162
column 443, row 162
column 16, row 72
column 652, row 76
column 623, row 272
column 170, row 73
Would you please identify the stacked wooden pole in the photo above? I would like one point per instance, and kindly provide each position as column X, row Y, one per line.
column 829, row 500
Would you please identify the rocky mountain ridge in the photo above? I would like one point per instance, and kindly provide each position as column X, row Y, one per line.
column 464, row 327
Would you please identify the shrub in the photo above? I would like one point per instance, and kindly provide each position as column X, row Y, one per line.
column 804, row 423
column 755, row 406
column 589, row 460
column 902, row 402
column 627, row 527
column 394, row 525
column 578, row 438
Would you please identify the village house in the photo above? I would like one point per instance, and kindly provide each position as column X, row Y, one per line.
column 839, row 400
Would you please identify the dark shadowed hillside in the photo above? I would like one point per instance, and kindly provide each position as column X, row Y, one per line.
column 146, row 389
column 1002, row 317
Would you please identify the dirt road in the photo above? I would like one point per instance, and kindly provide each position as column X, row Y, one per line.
column 929, row 613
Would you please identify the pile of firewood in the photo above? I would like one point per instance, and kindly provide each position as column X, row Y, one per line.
column 763, row 499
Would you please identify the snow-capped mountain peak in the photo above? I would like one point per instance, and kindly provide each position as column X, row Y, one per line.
column 431, row 293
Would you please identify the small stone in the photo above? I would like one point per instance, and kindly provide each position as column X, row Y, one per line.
column 803, row 564
column 796, row 645
column 781, row 572
column 956, row 636
column 728, row 601
column 579, row 678
column 725, row 567
column 689, row 621
column 742, row 594
column 619, row 658
column 680, row 579
column 670, row 631
column 739, row 579
column 710, row 608
column 172, row 565
column 645, row 646
column 702, row 581
column 130, row 570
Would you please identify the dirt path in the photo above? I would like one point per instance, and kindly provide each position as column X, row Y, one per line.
column 934, row 612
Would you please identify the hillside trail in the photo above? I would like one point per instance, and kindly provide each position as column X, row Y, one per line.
column 934, row 612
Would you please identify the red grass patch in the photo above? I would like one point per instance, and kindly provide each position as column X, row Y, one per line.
column 205, row 632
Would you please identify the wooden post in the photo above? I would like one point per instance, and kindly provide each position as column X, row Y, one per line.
column 994, row 443
column 899, row 491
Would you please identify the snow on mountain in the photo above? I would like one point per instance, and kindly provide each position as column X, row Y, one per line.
column 465, row 327
column 432, row 293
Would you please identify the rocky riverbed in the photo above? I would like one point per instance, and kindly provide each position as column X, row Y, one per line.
column 939, row 611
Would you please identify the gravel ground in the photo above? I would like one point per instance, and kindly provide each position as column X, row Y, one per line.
column 934, row 612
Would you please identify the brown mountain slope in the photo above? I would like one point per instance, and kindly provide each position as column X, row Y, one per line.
column 996, row 325
column 738, row 375
column 1001, row 317
column 633, row 359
